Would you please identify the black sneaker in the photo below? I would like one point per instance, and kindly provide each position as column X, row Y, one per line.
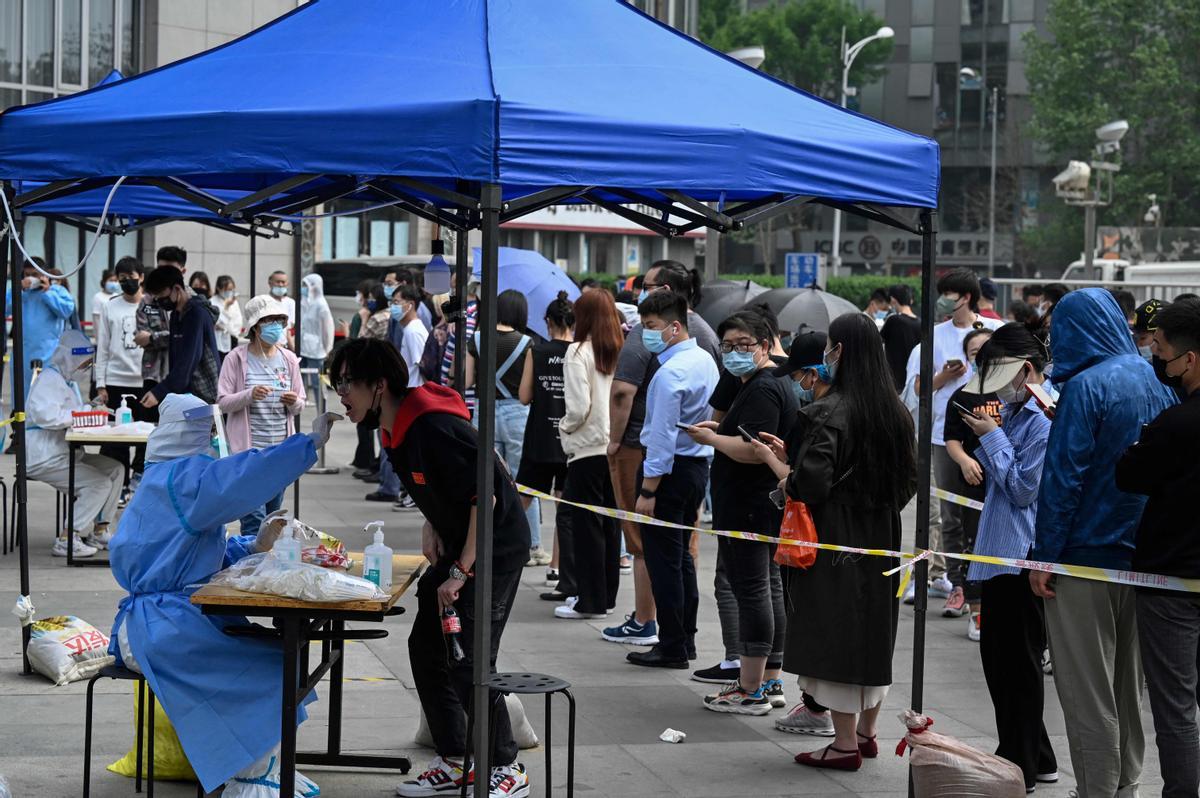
column 717, row 675
column 553, row 595
column 379, row 496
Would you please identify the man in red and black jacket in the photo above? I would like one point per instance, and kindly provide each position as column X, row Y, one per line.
column 428, row 437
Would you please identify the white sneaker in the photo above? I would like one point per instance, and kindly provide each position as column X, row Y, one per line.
column 81, row 549
column 551, row 577
column 910, row 592
column 440, row 777
column 509, row 781
column 973, row 628
column 706, row 516
column 99, row 540
column 940, row 588
column 567, row 611
column 802, row 720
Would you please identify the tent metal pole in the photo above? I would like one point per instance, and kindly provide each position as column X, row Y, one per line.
column 18, row 427
column 462, row 276
column 485, row 403
column 297, row 246
column 253, row 258
column 924, row 455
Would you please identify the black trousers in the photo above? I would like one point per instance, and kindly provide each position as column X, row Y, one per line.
column 668, row 559
column 443, row 685
column 761, row 618
column 120, row 452
column 595, row 549
column 1011, row 644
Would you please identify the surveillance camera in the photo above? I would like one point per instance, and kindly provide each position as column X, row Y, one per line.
column 1113, row 132
column 1074, row 179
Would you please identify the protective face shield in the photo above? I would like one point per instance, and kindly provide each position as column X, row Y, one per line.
column 73, row 356
column 187, row 426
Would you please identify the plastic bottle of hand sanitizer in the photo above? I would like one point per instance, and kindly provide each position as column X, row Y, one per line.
column 287, row 547
column 124, row 414
column 377, row 559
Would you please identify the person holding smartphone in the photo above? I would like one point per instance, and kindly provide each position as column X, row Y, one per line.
column 961, row 444
column 741, row 488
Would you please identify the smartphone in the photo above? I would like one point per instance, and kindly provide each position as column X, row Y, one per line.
column 955, row 364
column 1041, row 396
column 684, row 427
column 964, row 410
column 777, row 498
column 745, row 434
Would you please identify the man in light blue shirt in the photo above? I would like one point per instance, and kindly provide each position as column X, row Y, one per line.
column 674, row 473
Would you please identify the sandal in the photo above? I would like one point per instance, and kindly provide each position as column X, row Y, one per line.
column 869, row 749
column 850, row 760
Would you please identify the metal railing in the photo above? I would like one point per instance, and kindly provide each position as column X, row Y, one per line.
column 1142, row 291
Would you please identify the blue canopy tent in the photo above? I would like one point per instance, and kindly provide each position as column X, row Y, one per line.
column 506, row 107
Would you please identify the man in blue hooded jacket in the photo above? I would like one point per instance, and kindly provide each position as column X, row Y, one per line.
column 1108, row 392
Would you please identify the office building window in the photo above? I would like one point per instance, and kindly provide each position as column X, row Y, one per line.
column 922, row 12
column 921, row 45
column 49, row 48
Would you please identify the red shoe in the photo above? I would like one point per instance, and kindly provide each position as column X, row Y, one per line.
column 869, row 749
column 850, row 760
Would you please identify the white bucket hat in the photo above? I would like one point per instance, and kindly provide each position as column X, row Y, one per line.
column 263, row 307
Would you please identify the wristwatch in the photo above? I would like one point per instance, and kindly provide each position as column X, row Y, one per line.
column 647, row 494
column 456, row 572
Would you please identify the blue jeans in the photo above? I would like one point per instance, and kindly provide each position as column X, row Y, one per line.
column 389, row 482
column 511, row 417
column 252, row 520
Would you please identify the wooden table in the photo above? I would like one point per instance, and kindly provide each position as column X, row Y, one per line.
column 296, row 623
column 76, row 439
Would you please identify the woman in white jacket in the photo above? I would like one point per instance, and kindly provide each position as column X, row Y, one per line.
column 593, row 549
column 316, row 329
column 229, row 322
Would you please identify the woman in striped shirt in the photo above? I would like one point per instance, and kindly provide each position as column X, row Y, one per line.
column 1012, row 457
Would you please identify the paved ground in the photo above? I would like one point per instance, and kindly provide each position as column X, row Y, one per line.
column 622, row 709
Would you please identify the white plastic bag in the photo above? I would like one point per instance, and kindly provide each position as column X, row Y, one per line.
column 264, row 573
column 65, row 649
column 943, row 767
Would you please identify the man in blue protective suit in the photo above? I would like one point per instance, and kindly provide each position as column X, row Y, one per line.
column 221, row 693
column 1108, row 393
column 45, row 309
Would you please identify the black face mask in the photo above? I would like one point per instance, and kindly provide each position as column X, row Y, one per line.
column 1160, row 371
column 130, row 287
column 371, row 417
column 164, row 303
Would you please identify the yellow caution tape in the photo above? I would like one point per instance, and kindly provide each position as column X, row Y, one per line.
column 954, row 498
column 15, row 417
column 369, row 679
column 1112, row 575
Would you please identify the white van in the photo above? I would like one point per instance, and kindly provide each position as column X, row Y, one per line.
column 1102, row 269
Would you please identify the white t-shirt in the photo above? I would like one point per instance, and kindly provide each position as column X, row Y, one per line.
column 412, row 346
column 118, row 358
column 948, row 345
column 98, row 300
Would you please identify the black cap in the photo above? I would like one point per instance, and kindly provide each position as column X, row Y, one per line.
column 987, row 288
column 1146, row 315
column 808, row 350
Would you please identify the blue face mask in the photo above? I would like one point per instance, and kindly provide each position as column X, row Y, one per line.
column 642, row 296
column 112, row 287
column 279, row 290
column 371, row 305
column 803, row 395
column 830, row 367
column 653, row 340
column 388, row 290
column 880, row 315
column 271, row 333
column 739, row 364
column 304, row 292
column 397, row 311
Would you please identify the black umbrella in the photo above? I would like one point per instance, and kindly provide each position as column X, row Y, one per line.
column 811, row 306
column 723, row 299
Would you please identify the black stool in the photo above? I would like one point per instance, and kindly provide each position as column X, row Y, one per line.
column 504, row 684
column 118, row 672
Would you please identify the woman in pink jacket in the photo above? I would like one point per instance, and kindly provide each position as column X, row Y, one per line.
column 260, row 391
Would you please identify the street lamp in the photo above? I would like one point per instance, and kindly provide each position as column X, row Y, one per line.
column 1073, row 185
column 849, row 53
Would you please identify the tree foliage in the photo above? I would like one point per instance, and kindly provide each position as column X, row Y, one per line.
column 801, row 39
column 1137, row 60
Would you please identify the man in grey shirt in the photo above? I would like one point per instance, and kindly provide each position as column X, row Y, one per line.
column 627, row 413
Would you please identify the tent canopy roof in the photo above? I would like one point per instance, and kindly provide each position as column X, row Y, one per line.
column 528, row 94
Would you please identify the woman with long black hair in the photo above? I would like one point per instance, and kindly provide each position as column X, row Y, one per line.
column 854, row 465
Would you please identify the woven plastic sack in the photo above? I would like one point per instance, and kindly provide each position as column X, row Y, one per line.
column 943, row 767
column 170, row 762
column 265, row 573
column 65, row 649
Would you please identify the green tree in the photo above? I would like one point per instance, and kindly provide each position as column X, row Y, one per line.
column 801, row 38
column 1137, row 60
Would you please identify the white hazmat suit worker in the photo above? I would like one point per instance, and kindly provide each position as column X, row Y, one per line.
column 221, row 693
column 98, row 479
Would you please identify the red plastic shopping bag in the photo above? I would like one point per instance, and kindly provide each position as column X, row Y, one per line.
column 797, row 525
